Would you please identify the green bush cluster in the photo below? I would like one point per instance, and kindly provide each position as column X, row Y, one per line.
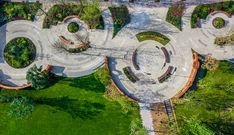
column 218, row 22
column 174, row 15
column 130, row 75
column 224, row 40
column 13, row 11
column 151, row 35
column 58, row 12
column 120, row 17
column 73, row 27
column 38, row 78
column 20, row 52
column 21, row 107
column 203, row 10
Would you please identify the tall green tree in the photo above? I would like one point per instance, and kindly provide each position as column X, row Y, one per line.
column 38, row 78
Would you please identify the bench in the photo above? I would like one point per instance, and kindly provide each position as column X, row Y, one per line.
column 166, row 54
column 134, row 62
column 166, row 75
column 65, row 41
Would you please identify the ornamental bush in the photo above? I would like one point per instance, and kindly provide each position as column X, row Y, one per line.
column 38, row 78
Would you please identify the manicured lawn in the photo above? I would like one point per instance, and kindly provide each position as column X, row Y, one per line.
column 209, row 109
column 72, row 106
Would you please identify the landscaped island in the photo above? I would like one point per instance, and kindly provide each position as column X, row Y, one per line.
column 20, row 52
column 203, row 10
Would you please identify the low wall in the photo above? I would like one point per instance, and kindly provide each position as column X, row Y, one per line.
column 196, row 65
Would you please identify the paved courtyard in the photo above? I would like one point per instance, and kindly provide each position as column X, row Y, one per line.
column 149, row 55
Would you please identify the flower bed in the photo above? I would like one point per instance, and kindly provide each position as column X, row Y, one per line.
column 151, row 35
column 130, row 75
column 218, row 22
column 73, row 27
column 203, row 10
column 58, row 12
column 20, row 52
column 17, row 11
column 222, row 41
column 120, row 17
column 175, row 13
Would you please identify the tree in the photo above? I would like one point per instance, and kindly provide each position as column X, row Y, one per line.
column 38, row 78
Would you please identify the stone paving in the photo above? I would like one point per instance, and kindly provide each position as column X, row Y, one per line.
column 120, row 49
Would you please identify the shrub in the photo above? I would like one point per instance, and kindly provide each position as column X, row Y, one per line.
column 210, row 63
column 120, row 17
column 151, row 35
column 175, row 13
column 218, row 22
column 20, row 52
column 38, row 78
column 73, row 27
column 224, row 40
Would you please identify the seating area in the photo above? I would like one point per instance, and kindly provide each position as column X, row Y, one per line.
column 166, row 54
column 134, row 60
column 166, row 75
column 130, row 75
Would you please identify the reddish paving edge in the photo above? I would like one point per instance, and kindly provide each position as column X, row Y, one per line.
column 47, row 69
column 196, row 65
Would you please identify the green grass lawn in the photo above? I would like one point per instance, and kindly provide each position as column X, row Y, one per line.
column 210, row 108
column 72, row 106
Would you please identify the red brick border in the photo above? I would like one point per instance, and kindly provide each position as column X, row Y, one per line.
column 47, row 69
column 196, row 65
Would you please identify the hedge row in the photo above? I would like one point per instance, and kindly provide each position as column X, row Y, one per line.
column 120, row 16
column 151, row 35
column 224, row 40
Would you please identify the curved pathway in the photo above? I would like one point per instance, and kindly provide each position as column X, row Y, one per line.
column 150, row 57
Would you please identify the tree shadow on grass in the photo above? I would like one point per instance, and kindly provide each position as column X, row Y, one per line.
column 82, row 109
column 88, row 83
